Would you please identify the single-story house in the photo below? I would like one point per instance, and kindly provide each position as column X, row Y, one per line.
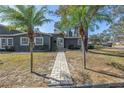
column 18, row 41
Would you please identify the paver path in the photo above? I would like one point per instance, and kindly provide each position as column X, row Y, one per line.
column 60, row 72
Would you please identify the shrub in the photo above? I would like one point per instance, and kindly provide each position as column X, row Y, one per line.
column 91, row 46
column 10, row 48
column 73, row 47
column 45, row 47
column 98, row 46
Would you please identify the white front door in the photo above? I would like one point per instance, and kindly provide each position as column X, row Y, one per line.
column 60, row 43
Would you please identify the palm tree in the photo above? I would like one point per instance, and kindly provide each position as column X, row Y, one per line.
column 26, row 18
column 85, row 18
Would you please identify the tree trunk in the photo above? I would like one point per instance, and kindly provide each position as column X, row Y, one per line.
column 83, row 43
column 84, row 54
column 31, row 45
column 31, row 57
column 86, row 41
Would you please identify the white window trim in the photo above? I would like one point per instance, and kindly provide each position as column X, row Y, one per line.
column 22, row 43
column 1, row 43
column 8, row 43
column 40, row 38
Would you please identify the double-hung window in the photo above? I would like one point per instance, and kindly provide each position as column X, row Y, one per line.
column 38, row 40
column 3, row 43
column 24, row 41
column 10, row 41
column 6, row 42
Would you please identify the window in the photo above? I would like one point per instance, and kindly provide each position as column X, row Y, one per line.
column 24, row 41
column 3, row 42
column 39, row 41
column 60, row 42
column 10, row 41
column 79, row 41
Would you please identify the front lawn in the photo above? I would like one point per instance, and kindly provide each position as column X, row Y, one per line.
column 100, row 68
column 15, row 69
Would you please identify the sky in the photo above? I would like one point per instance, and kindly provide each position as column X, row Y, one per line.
column 102, row 26
column 49, row 27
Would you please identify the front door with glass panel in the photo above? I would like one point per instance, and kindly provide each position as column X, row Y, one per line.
column 60, row 43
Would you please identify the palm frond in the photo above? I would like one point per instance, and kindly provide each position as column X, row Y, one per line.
column 24, row 16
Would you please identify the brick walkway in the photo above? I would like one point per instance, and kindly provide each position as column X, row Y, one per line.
column 60, row 73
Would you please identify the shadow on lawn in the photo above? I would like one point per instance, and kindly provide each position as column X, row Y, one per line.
column 117, row 52
column 60, row 82
column 45, row 76
column 106, row 54
column 108, row 85
column 106, row 73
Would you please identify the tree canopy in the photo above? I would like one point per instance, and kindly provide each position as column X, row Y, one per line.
column 87, row 16
column 22, row 16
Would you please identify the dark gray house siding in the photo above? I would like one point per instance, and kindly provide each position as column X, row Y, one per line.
column 17, row 46
column 68, row 42
column 51, row 41
column 46, row 43
column 45, row 47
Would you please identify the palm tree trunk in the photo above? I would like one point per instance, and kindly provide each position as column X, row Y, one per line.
column 31, row 45
column 86, row 41
column 31, row 57
column 83, row 45
column 83, row 53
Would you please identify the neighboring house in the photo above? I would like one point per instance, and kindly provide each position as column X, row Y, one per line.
column 18, row 41
column 119, row 39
